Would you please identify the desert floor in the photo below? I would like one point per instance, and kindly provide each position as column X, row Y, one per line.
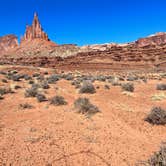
column 58, row 136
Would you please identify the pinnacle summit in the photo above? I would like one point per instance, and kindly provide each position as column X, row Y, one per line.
column 34, row 31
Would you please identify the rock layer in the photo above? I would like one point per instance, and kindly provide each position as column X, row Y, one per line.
column 156, row 39
column 117, row 58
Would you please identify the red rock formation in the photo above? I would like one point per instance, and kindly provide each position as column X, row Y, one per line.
column 7, row 42
column 34, row 31
column 156, row 39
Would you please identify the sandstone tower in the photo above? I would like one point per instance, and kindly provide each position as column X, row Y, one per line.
column 34, row 31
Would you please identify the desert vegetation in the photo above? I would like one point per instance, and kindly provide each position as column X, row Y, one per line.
column 83, row 109
column 161, row 86
column 58, row 100
column 128, row 87
column 25, row 106
column 157, row 116
column 87, row 87
column 158, row 158
column 84, row 106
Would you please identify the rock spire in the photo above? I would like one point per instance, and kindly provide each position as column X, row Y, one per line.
column 34, row 31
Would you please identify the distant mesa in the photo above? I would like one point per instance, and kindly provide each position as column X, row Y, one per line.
column 34, row 31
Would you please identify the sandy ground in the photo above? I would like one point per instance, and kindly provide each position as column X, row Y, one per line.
column 58, row 136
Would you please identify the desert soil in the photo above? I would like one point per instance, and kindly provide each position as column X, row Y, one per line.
column 56, row 135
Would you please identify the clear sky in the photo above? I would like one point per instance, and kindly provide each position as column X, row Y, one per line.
column 86, row 21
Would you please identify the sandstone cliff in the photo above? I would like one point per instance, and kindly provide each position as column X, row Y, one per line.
column 8, row 42
column 156, row 39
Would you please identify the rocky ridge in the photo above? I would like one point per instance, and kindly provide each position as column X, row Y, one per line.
column 156, row 39
column 36, row 49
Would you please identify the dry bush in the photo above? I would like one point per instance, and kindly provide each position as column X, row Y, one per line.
column 53, row 79
column 161, row 87
column 44, row 85
column 27, row 77
column 31, row 82
column 114, row 81
column 4, row 81
column 41, row 98
column 101, row 78
column 132, row 78
column 58, row 100
column 4, row 90
column 26, row 106
column 68, row 77
column 31, row 92
column 36, row 75
column 157, row 116
column 83, row 106
column 128, row 87
column 107, row 87
column 14, row 77
column 87, row 87
column 159, row 158
column 1, row 97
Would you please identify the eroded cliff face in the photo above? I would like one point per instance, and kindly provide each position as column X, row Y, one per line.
column 8, row 42
column 34, row 31
column 156, row 39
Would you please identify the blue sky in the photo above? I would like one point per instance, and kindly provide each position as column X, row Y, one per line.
column 86, row 21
